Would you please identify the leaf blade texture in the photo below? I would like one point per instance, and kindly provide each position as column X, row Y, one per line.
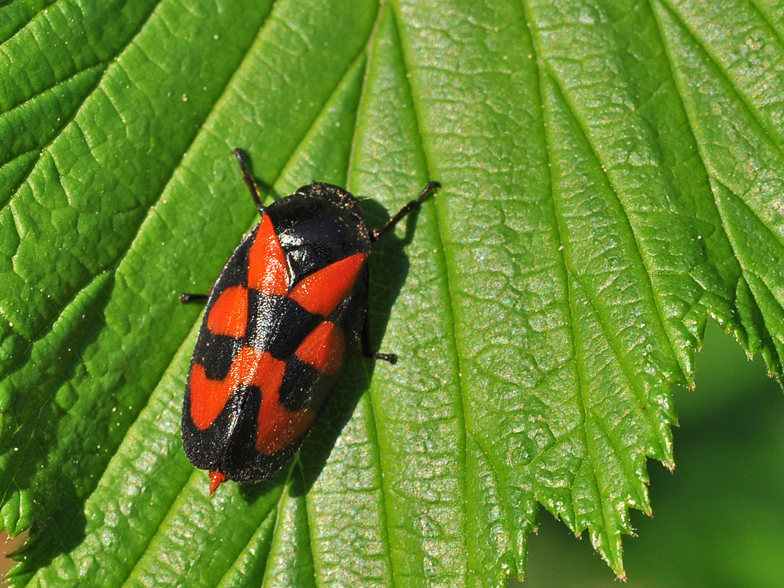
column 611, row 180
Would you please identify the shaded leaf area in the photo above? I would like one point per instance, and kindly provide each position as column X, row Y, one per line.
column 611, row 179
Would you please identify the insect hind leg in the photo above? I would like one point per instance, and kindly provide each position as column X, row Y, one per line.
column 367, row 348
column 188, row 298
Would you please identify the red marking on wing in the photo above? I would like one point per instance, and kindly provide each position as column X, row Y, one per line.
column 216, row 479
column 322, row 291
column 323, row 348
column 250, row 367
column 229, row 314
column 208, row 397
column 267, row 271
column 278, row 427
column 269, row 375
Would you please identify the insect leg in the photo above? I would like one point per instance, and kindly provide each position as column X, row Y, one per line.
column 366, row 346
column 378, row 233
column 186, row 298
column 249, row 181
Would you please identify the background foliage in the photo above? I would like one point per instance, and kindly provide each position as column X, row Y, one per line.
column 612, row 178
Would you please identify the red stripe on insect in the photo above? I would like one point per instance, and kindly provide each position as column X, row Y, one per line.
column 323, row 348
column 250, row 367
column 321, row 292
column 278, row 427
column 267, row 271
column 229, row 314
column 269, row 375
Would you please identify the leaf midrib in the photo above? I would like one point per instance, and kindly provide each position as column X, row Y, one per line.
column 282, row 170
column 451, row 310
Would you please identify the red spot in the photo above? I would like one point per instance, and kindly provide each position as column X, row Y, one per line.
column 250, row 367
column 229, row 314
column 208, row 397
column 322, row 291
column 216, row 479
column 278, row 427
column 323, row 348
column 267, row 271
column 269, row 374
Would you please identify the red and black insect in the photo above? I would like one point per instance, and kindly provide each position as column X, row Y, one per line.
column 281, row 320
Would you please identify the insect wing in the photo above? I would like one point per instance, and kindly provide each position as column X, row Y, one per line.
column 274, row 422
column 267, row 356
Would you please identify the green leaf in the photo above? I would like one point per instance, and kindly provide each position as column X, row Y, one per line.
column 716, row 519
column 611, row 179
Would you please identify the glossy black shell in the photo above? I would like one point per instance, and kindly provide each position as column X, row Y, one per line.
column 317, row 226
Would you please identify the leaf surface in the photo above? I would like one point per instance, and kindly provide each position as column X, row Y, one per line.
column 611, row 179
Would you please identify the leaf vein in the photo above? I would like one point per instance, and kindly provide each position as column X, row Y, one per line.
column 451, row 306
column 86, row 97
column 754, row 112
column 638, row 250
column 293, row 152
column 24, row 25
column 574, row 339
column 766, row 19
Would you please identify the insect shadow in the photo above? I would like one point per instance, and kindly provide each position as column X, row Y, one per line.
column 67, row 530
column 389, row 267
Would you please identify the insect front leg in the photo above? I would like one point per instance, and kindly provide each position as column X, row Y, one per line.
column 414, row 204
column 242, row 159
